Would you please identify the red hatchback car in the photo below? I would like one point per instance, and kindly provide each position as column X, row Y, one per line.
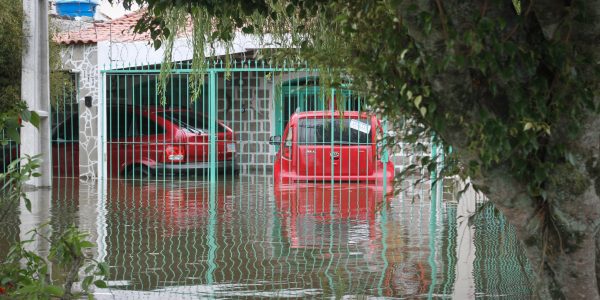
column 323, row 146
column 147, row 141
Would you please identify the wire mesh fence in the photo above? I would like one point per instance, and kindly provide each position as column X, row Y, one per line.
column 255, row 179
column 235, row 122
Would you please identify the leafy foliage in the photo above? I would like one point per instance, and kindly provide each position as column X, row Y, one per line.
column 18, row 172
column 62, row 85
column 11, row 47
column 485, row 77
column 25, row 275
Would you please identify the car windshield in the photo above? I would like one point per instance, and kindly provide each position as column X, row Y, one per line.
column 191, row 122
column 337, row 131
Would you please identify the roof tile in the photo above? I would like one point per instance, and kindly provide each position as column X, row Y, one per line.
column 117, row 30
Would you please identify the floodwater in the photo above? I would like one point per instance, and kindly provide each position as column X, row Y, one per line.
column 243, row 238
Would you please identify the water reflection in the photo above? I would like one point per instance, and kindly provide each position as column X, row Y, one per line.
column 308, row 210
column 242, row 237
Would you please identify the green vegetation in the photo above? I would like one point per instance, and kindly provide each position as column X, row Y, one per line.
column 23, row 273
column 11, row 47
column 26, row 275
column 512, row 86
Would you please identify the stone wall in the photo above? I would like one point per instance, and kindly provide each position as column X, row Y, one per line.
column 82, row 59
column 244, row 104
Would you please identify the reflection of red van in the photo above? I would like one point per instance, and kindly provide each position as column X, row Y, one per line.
column 303, row 206
column 322, row 145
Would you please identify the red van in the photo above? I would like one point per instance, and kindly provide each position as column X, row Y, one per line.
column 147, row 141
column 325, row 145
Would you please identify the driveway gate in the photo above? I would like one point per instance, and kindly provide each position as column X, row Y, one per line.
column 167, row 129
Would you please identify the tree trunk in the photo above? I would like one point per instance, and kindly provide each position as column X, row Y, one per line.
column 564, row 262
column 598, row 259
column 560, row 233
column 559, row 230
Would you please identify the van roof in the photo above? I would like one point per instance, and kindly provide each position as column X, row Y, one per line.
column 328, row 113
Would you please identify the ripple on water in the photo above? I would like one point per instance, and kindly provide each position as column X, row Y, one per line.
column 245, row 238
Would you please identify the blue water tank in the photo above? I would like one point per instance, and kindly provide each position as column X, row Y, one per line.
column 76, row 8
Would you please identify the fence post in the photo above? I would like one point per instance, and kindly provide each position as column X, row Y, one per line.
column 433, row 208
column 212, row 117
column 35, row 88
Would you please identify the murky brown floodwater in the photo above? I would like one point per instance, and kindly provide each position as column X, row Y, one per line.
column 243, row 238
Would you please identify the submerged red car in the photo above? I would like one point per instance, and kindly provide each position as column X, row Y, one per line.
column 147, row 141
column 324, row 146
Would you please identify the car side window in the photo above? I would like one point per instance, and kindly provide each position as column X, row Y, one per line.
column 117, row 124
column 143, row 126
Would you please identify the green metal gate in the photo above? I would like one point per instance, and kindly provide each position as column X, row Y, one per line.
column 236, row 108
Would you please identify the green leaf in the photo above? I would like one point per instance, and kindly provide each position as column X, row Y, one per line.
column 248, row 29
column 85, row 284
column 103, row 268
column 289, row 10
column 423, row 111
column 570, row 158
column 28, row 204
column 35, row 119
column 418, row 100
column 55, row 291
column 13, row 134
column 157, row 44
column 86, row 244
column 26, row 115
column 101, row 284
column 89, row 269
column 527, row 126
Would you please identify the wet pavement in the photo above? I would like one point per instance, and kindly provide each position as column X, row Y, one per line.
column 243, row 238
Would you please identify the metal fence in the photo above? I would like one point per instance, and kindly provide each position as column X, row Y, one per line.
column 263, row 183
column 234, row 123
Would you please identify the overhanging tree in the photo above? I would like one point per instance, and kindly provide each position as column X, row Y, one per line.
column 512, row 86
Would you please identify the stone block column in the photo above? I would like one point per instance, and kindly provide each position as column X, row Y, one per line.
column 82, row 59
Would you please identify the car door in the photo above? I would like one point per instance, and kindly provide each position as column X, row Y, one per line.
column 118, row 126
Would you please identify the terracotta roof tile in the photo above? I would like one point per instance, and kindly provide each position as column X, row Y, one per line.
column 117, row 30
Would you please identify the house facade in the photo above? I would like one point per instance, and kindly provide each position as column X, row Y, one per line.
column 114, row 66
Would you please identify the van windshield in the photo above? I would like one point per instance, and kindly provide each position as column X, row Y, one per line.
column 337, row 131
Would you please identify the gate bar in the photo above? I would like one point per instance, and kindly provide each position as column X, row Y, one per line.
column 212, row 119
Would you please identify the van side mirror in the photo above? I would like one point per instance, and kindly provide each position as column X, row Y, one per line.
column 275, row 140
